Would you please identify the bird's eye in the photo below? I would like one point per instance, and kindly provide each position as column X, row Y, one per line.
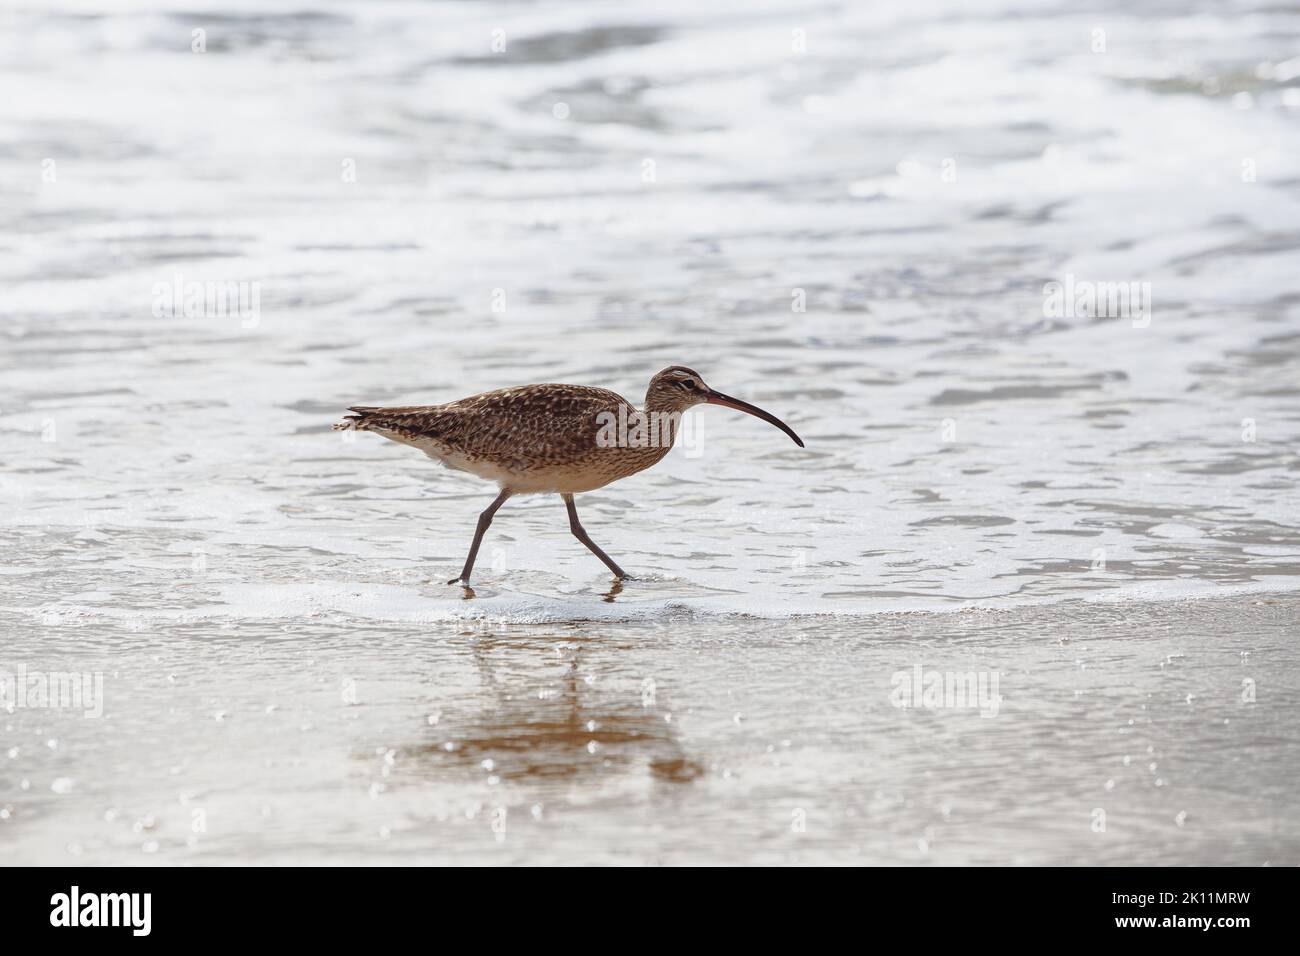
column 688, row 382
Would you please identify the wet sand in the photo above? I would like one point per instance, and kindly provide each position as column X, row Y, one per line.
column 694, row 740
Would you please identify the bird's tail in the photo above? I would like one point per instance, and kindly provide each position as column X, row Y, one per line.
column 358, row 422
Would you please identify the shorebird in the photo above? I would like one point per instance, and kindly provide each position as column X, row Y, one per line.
column 550, row 439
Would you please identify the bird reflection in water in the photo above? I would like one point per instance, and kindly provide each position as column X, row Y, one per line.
column 547, row 720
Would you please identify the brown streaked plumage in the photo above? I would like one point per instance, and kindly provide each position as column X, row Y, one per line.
column 550, row 439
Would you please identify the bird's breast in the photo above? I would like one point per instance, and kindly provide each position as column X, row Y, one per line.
column 543, row 474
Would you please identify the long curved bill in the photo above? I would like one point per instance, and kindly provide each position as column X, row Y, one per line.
column 726, row 401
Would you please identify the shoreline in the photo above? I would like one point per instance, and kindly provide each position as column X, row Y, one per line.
column 401, row 604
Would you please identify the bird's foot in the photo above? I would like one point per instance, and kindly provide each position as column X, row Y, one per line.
column 466, row 592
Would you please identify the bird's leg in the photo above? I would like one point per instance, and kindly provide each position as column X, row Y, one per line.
column 484, row 520
column 581, row 534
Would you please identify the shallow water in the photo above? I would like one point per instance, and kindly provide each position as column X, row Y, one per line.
column 424, row 218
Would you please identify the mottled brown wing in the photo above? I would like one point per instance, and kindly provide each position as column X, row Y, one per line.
column 527, row 426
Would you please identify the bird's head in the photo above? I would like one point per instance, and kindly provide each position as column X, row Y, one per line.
column 678, row 388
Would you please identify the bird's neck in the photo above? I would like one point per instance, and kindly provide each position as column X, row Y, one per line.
column 663, row 418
